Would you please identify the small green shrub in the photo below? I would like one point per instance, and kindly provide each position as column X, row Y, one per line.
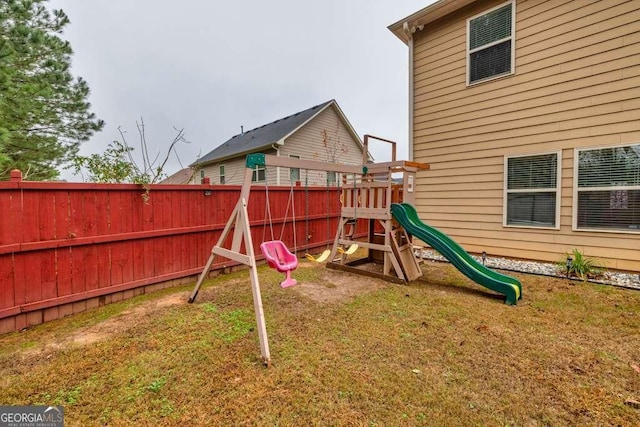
column 582, row 267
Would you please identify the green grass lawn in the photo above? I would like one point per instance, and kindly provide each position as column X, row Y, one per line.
column 346, row 350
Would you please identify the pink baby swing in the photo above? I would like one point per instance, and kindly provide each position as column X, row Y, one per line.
column 276, row 252
column 279, row 257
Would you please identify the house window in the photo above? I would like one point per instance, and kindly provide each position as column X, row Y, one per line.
column 607, row 185
column 294, row 173
column 532, row 196
column 259, row 174
column 491, row 44
column 201, row 176
column 222, row 175
column 331, row 179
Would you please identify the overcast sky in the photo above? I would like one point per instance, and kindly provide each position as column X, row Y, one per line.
column 209, row 67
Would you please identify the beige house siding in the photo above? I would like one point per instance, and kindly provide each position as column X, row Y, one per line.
column 576, row 84
column 234, row 170
column 324, row 138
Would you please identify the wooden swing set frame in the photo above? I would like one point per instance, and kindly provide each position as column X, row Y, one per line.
column 366, row 198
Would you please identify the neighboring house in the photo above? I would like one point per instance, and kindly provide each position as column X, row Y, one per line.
column 183, row 176
column 528, row 112
column 320, row 133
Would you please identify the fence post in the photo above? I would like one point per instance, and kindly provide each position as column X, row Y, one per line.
column 15, row 175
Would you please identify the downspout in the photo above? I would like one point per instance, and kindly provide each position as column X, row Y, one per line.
column 275, row 147
column 407, row 31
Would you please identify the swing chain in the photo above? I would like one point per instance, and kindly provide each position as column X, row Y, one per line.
column 267, row 213
column 306, row 208
column 291, row 202
column 327, row 211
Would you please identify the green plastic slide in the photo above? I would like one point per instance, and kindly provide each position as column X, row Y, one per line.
column 407, row 217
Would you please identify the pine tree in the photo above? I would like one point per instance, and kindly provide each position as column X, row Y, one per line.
column 44, row 113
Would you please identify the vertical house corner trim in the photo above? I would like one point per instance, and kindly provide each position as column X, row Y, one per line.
column 409, row 34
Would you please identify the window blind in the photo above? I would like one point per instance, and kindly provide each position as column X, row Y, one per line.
column 531, row 198
column 492, row 61
column 490, row 27
column 532, row 172
column 616, row 166
column 490, row 41
column 609, row 188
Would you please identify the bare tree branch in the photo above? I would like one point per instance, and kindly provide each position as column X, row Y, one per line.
column 118, row 164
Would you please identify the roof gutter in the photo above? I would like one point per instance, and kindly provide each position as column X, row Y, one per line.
column 234, row 156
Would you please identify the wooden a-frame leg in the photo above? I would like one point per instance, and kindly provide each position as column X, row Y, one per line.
column 194, row 294
column 255, row 287
column 223, row 236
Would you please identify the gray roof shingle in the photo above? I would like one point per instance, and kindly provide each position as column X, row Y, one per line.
column 260, row 137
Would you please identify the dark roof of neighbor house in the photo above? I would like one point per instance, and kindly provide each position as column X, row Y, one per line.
column 261, row 137
column 183, row 176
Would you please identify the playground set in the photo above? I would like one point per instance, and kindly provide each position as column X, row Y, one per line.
column 383, row 195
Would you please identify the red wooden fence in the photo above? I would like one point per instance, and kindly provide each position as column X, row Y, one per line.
column 66, row 247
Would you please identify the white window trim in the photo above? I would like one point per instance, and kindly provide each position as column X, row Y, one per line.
column 513, row 44
column 574, row 207
column 256, row 169
column 295, row 156
column 222, row 175
column 532, row 190
column 335, row 182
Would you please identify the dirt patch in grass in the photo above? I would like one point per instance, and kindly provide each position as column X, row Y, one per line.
column 346, row 350
column 117, row 324
column 121, row 322
column 328, row 287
